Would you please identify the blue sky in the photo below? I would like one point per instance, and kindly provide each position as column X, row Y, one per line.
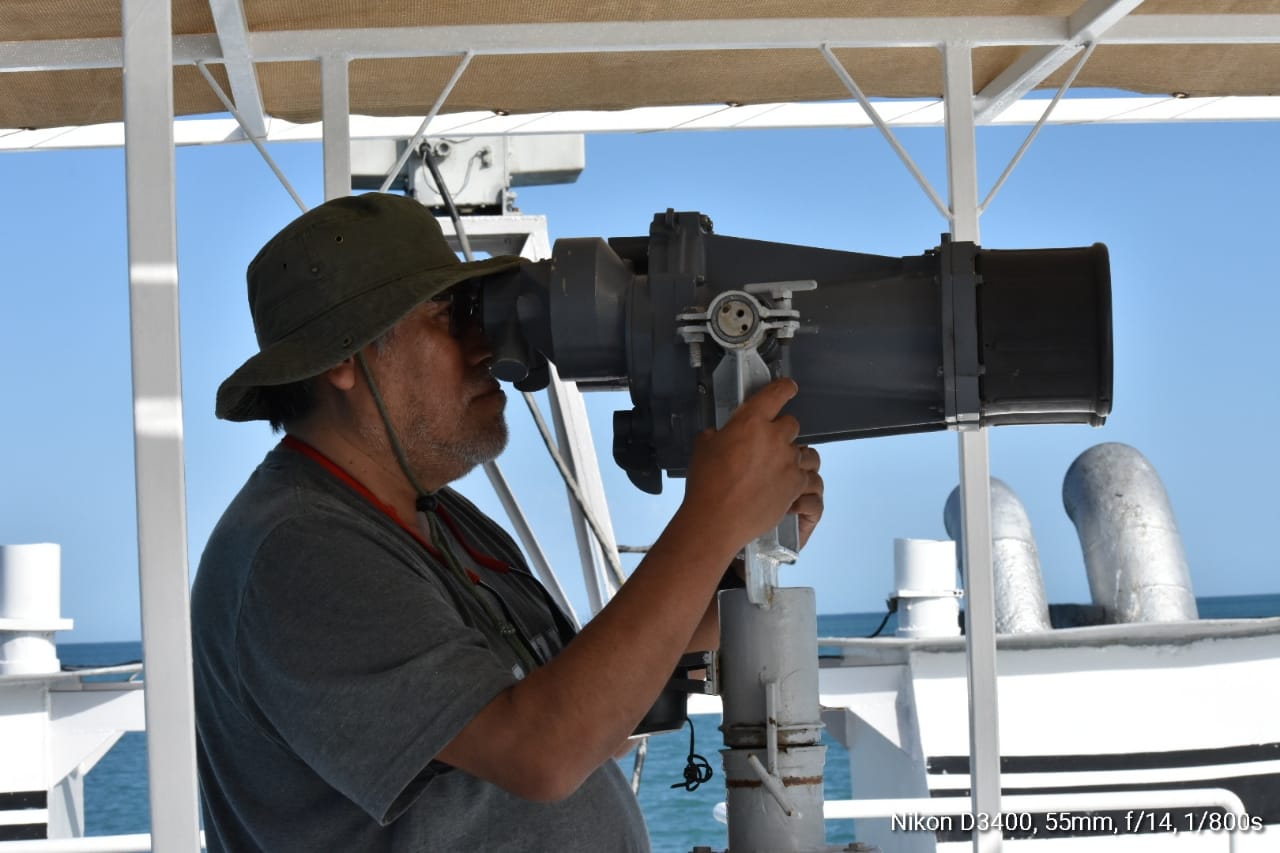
column 1188, row 212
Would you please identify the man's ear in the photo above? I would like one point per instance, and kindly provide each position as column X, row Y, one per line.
column 342, row 376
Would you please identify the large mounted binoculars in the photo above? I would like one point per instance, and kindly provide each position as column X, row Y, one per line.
column 956, row 337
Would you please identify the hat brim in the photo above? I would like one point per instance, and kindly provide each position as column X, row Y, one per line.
column 335, row 336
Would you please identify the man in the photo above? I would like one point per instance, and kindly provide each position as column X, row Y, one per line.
column 375, row 667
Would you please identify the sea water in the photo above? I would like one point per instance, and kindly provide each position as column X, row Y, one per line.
column 115, row 792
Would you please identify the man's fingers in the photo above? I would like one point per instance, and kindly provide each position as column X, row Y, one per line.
column 810, row 496
column 788, row 426
column 769, row 400
column 808, row 505
column 808, row 458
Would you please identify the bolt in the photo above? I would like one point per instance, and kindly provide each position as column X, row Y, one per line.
column 695, row 354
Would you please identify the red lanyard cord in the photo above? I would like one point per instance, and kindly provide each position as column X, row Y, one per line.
column 481, row 559
column 524, row 649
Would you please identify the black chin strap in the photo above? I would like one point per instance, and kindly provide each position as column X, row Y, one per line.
column 424, row 497
column 431, row 528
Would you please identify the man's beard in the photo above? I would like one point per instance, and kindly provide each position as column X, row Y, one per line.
column 474, row 447
column 435, row 457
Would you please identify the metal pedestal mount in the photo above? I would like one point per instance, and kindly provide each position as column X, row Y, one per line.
column 773, row 757
column 739, row 324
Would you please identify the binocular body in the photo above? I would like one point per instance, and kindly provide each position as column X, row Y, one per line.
column 956, row 337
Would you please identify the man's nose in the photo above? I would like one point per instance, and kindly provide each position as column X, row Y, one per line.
column 475, row 344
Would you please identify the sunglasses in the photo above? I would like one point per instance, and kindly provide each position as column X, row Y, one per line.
column 464, row 307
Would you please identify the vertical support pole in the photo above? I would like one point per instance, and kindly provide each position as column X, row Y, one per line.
column 525, row 534
column 975, row 475
column 157, row 423
column 573, row 434
column 335, row 111
column 774, row 759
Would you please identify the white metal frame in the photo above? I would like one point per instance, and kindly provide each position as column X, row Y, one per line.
column 157, row 424
column 573, row 435
column 975, row 473
column 233, row 38
column 147, row 53
column 1085, row 25
column 335, row 98
column 692, row 35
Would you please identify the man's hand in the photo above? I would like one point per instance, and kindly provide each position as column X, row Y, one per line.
column 809, row 505
column 541, row 737
column 745, row 476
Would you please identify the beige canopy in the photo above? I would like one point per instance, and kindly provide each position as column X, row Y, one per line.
column 62, row 57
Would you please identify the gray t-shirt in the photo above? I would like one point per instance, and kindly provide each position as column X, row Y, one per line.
column 335, row 658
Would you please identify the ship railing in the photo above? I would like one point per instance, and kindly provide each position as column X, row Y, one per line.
column 135, row 843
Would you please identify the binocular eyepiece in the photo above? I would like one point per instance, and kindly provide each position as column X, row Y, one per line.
column 956, row 337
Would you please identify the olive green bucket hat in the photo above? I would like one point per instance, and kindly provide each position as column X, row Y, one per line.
column 332, row 282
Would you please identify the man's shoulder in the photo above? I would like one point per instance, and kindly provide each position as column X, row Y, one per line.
column 288, row 492
column 286, row 506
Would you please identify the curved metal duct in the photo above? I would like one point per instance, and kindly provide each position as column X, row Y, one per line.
column 1132, row 550
column 1021, row 605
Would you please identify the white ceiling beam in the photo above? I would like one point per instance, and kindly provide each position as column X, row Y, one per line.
column 1196, row 29
column 79, row 54
column 630, row 37
column 645, row 36
column 233, row 37
column 589, row 37
column 1087, row 24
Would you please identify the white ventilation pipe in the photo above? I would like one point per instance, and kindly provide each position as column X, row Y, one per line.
column 1132, row 550
column 1021, row 604
column 924, row 579
column 30, row 604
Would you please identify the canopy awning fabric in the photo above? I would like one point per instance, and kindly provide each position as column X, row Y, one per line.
column 61, row 58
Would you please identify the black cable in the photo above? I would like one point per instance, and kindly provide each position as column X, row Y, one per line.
column 441, row 190
column 892, row 603
column 429, row 160
column 697, row 769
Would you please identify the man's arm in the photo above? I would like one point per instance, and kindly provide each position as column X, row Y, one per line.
column 706, row 637
column 809, row 508
column 542, row 737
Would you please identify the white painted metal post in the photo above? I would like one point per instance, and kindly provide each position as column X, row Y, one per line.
column 335, row 101
column 157, row 423
column 774, row 759
column 233, row 39
column 573, row 435
column 975, row 476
